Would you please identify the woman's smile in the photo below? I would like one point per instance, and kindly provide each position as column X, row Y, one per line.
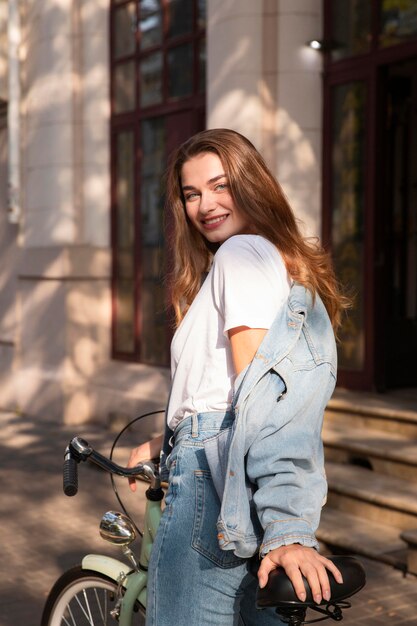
column 213, row 222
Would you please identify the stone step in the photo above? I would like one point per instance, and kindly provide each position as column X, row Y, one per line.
column 387, row 453
column 343, row 532
column 395, row 412
column 375, row 497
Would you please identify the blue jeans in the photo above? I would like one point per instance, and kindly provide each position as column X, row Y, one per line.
column 191, row 581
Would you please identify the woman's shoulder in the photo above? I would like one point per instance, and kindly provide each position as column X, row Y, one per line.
column 252, row 247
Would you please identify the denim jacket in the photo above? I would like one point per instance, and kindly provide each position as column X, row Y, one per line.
column 268, row 468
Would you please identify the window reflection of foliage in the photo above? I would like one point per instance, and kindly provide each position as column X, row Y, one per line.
column 351, row 27
column 399, row 21
column 348, row 211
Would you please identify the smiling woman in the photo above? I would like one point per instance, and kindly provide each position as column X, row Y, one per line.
column 245, row 475
column 208, row 203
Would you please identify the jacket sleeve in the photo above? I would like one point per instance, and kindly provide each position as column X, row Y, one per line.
column 285, row 462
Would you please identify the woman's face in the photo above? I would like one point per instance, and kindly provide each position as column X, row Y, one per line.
column 208, row 202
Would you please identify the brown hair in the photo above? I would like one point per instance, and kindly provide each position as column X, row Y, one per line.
column 261, row 200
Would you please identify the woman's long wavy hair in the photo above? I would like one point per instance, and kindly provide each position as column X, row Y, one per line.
column 261, row 200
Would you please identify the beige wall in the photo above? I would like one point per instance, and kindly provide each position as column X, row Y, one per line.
column 264, row 82
column 9, row 257
column 234, row 66
column 62, row 361
column 8, row 241
column 3, row 50
column 299, row 113
column 66, row 117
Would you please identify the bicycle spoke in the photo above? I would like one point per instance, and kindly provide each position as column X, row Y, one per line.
column 99, row 606
column 82, row 608
column 72, row 617
column 88, row 607
column 83, row 600
column 66, row 621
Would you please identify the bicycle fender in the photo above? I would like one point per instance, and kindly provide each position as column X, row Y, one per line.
column 105, row 565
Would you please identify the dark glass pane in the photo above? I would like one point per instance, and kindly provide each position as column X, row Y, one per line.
column 351, row 27
column 202, row 62
column 180, row 71
column 348, row 198
column 150, row 23
column 125, row 190
column 398, row 223
column 124, row 31
column 201, row 13
column 124, row 87
column 151, row 79
column 153, row 304
column 179, row 17
column 124, row 248
column 398, row 21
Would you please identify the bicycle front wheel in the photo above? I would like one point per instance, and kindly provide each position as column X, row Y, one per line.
column 84, row 598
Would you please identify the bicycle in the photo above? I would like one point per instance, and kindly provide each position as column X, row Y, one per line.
column 103, row 590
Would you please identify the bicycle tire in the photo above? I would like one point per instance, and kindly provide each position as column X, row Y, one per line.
column 82, row 598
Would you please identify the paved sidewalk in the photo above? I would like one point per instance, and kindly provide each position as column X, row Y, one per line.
column 43, row 532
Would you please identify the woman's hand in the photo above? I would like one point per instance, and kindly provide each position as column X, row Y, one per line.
column 299, row 561
column 146, row 451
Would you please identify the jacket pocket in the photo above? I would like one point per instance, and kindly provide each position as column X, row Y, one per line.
column 207, row 509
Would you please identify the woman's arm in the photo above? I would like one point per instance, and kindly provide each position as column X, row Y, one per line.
column 245, row 342
column 148, row 450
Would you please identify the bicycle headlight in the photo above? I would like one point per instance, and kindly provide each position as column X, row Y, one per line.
column 117, row 528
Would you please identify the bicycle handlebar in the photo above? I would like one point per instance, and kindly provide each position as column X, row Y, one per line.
column 79, row 450
column 70, row 476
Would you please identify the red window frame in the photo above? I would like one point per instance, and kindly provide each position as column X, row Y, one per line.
column 368, row 67
column 189, row 113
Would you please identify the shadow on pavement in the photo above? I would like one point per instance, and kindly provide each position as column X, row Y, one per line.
column 43, row 533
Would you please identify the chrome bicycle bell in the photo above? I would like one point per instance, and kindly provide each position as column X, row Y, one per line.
column 117, row 528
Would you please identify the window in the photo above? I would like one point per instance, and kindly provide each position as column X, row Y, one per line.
column 351, row 27
column 348, row 206
column 157, row 96
column 355, row 27
column 398, row 21
column 369, row 93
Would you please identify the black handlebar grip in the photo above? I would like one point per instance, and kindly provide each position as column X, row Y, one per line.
column 70, row 474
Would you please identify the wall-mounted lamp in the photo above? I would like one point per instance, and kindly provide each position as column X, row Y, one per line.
column 321, row 45
column 316, row 44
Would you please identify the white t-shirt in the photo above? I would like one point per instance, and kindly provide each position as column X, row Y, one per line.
column 246, row 285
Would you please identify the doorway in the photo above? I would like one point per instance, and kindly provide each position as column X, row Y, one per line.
column 397, row 228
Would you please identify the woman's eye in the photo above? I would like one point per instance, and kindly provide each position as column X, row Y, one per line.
column 191, row 196
column 221, row 186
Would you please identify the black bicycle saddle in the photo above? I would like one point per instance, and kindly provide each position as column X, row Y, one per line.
column 279, row 592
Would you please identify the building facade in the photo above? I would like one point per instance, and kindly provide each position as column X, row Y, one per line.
column 93, row 98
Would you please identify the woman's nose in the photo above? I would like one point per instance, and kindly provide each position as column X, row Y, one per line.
column 207, row 203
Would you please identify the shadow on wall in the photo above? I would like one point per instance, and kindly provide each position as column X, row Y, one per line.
column 55, row 298
column 8, row 281
column 276, row 100
column 66, row 142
